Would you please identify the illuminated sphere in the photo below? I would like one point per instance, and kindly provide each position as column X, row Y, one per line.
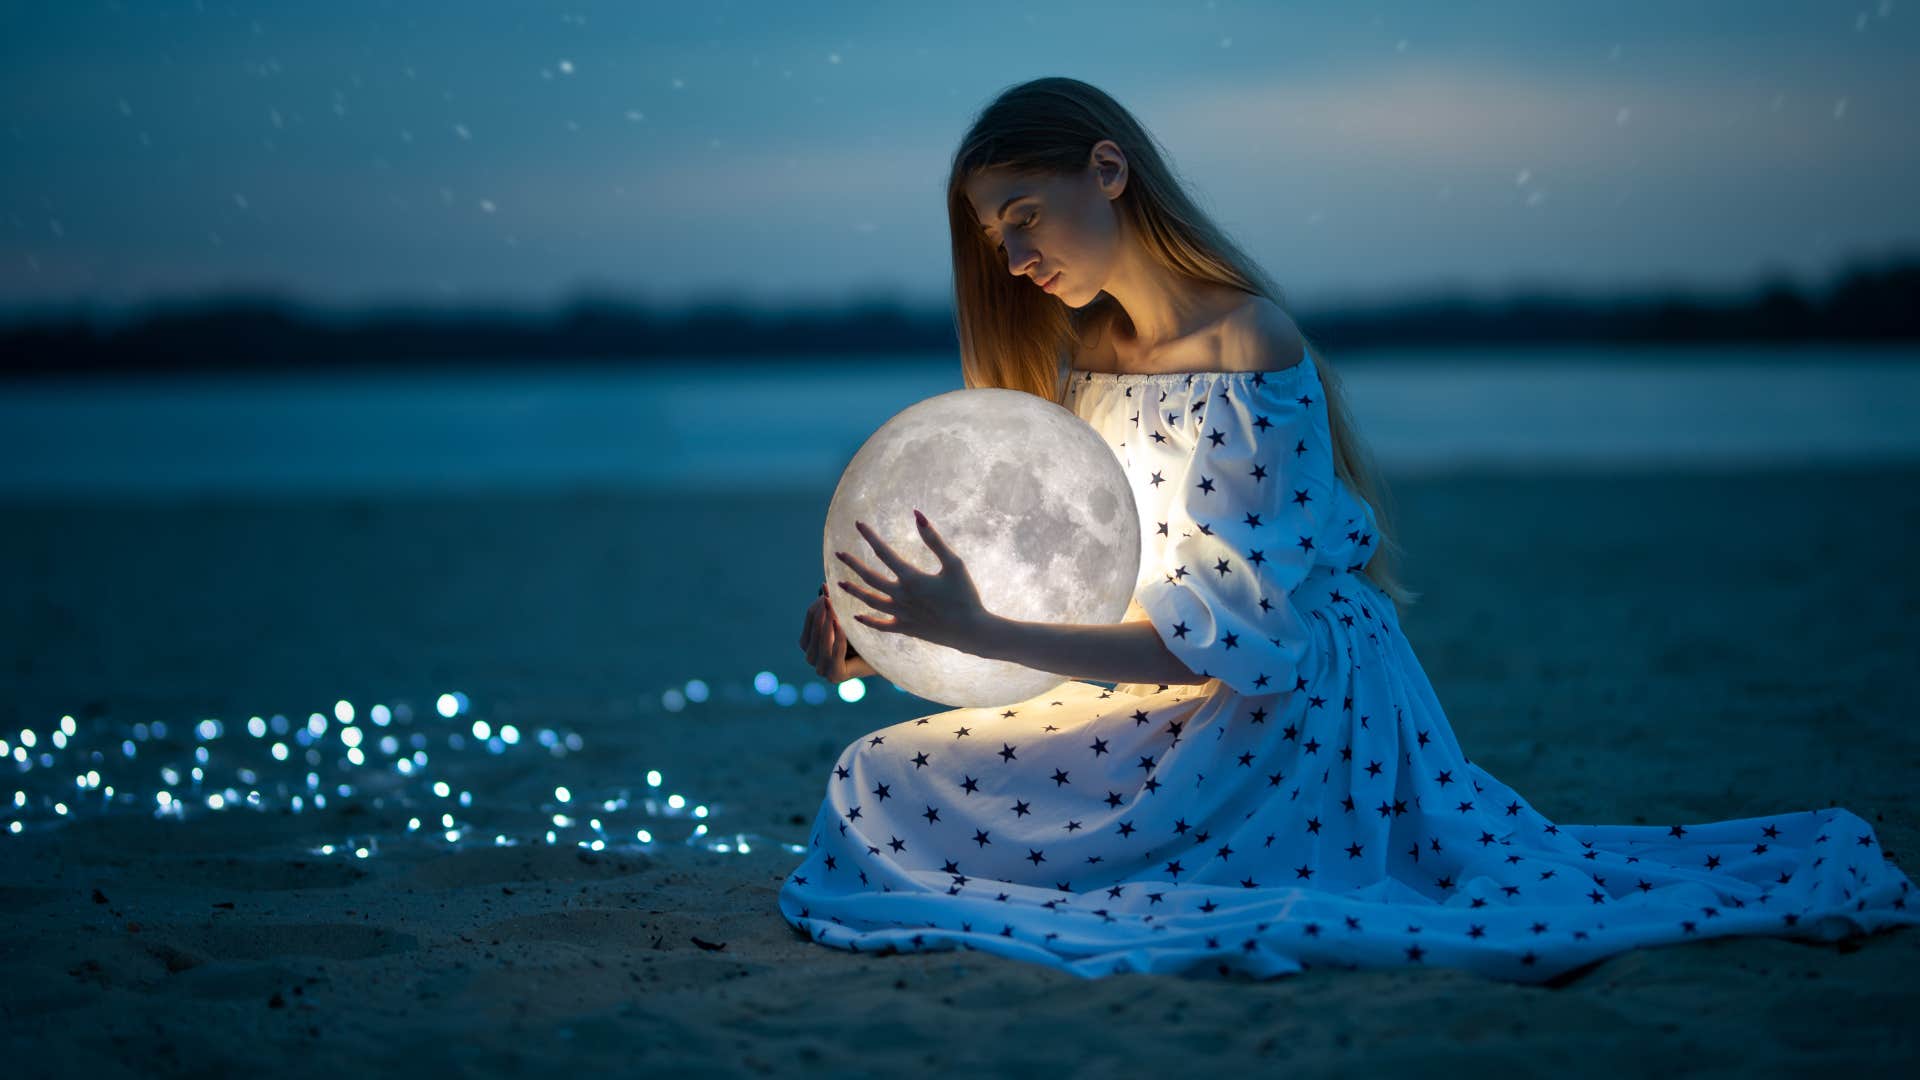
column 1026, row 493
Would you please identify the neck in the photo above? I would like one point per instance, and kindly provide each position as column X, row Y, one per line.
column 1161, row 306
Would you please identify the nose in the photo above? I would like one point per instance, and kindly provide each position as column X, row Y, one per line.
column 1018, row 263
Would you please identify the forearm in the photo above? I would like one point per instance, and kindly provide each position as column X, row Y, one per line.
column 1127, row 652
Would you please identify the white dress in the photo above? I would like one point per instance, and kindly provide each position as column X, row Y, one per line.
column 1313, row 810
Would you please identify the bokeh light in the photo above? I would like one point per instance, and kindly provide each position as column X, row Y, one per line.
column 444, row 776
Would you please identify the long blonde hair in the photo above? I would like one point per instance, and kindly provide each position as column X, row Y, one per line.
column 1018, row 337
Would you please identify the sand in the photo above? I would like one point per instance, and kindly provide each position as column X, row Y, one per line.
column 1625, row 648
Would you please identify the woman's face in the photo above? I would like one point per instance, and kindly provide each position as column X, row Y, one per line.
column 1059, row 228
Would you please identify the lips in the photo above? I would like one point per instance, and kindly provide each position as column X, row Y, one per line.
column 1049, row 283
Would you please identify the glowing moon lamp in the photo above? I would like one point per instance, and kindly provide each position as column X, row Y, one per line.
column 1026, row 493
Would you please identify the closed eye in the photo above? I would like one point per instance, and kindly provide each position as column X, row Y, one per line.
column 1028, row 223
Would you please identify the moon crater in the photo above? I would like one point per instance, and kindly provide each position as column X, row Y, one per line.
column 1031, row 499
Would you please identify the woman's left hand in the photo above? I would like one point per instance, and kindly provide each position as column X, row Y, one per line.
column 942, row 607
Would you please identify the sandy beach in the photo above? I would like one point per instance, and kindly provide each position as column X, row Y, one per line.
column 1623, row 648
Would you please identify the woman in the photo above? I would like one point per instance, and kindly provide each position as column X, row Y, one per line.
column 1272, row 784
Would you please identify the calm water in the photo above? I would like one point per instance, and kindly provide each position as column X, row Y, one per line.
column 708, row 424
column 454, row 773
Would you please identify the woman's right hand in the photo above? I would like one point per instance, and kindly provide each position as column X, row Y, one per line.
column 825, row 644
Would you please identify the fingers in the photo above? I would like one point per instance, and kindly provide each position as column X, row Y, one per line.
column 829, row 646
column 881, row 548
column 934, row 540
column 873, row 599
column 842, row 647
column 869, row 575
column 810, row 642
column 829, row 631
column 817, row 651
column 833, row 663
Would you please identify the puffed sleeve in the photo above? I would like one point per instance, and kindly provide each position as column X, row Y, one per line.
column 1256, row 490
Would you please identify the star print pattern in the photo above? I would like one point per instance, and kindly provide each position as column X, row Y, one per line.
column 1312, row 809
column 1250, row 508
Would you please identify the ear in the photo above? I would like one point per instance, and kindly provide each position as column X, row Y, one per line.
column 1109, row 165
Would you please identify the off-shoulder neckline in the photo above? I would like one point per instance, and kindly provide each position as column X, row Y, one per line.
column 1091, row 375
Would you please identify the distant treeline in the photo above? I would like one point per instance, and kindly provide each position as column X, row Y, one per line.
column 1864, row 303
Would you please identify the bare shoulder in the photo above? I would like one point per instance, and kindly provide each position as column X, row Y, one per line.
column 1261, row 336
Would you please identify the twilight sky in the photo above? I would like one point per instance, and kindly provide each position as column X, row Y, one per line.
column 480, row 152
